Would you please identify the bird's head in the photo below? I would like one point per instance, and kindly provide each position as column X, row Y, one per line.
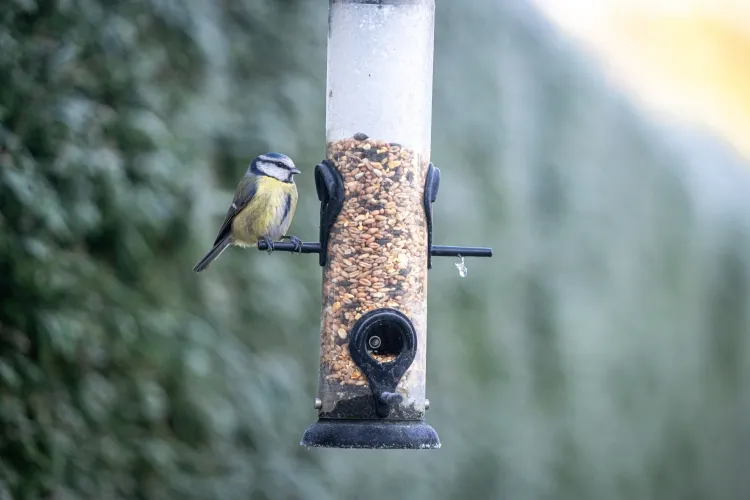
column 275, row 165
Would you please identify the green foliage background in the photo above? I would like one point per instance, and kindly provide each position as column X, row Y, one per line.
column 602, row 353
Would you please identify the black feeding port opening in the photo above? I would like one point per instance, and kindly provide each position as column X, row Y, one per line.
column 383, row 339
column 386, row 338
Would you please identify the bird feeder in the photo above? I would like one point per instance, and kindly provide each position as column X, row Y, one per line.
column 376, row 188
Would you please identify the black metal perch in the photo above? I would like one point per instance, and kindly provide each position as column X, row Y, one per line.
column 435, row 251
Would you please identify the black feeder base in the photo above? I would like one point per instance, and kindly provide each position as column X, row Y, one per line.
column 371, row 434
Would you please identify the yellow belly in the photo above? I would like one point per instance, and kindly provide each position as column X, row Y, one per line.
column 266, row 215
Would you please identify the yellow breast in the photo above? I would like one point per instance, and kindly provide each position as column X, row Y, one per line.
column 268, row 214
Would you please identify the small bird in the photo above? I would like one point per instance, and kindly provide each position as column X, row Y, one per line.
column 262, row 208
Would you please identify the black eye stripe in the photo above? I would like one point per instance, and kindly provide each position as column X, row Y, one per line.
column 267, row 162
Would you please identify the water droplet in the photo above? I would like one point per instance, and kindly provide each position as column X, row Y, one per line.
column 462, row 269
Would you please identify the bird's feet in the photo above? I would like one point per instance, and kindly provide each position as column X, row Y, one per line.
column 269, row 243
column 296, row 242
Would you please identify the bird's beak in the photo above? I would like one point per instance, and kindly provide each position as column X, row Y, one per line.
column 295, row 170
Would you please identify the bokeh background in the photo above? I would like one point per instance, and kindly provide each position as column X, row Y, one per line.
column 602, row 353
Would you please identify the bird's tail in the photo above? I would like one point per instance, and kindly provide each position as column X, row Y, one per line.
column 212, row 255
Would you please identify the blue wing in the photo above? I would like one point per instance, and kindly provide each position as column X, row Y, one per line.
column 245, row 192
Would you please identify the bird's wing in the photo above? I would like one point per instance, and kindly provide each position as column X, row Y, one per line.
column 245, row 192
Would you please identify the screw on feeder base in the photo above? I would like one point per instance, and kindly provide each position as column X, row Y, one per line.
column 426, row 404
column 318, row 404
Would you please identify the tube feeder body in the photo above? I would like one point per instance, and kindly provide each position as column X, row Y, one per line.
column 378, row 128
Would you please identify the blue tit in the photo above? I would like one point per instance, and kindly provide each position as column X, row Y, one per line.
column 262, row 208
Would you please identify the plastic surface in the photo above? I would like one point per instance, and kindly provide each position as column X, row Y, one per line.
column 382, row 344
column 378, row 127
column 431, row 188
column 330, row 190
column 371, row 434
column 380, row 66
column 377, row 258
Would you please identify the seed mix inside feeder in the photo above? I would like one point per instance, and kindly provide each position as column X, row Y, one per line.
column 376, row 188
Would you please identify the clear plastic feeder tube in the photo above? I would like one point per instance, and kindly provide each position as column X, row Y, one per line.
column 380, row 71
column 378, row 127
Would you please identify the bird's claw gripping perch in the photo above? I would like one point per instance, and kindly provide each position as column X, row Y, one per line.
column 269, row 243
column 296, row 242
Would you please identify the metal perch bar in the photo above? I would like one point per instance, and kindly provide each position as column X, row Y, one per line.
column 449, row 251
column 436, row 250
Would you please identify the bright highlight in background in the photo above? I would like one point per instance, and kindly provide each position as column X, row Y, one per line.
column 687, row 58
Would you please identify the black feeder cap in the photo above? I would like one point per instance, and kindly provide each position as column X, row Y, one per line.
column 371, row 434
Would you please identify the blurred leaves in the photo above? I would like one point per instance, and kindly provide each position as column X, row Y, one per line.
column 98, row 370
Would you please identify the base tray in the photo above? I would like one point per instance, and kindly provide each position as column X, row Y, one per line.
column 371, row 434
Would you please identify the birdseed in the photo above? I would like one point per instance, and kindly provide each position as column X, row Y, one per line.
column 377, row 258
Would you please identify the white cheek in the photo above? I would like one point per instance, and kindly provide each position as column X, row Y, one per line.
column 277, row 172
